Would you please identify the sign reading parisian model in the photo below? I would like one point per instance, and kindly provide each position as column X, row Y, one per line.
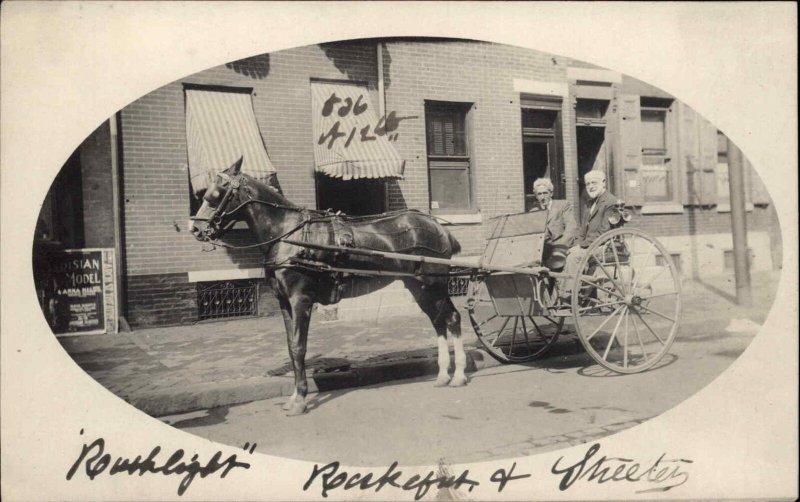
column 84, row 295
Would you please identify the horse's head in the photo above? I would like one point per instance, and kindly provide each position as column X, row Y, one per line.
column 218, row 212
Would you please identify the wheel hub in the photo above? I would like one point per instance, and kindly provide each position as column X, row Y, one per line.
column 633, row 300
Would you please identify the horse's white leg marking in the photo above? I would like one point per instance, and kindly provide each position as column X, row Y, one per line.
column 459, row 378
column 444, row 361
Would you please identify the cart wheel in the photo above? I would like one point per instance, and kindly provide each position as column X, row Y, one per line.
column 509, row 339
column 626, row 301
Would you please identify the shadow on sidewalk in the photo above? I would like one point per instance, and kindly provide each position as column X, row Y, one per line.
column 715, row 290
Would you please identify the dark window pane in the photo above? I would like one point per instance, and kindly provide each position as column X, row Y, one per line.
column 591, row 108
column 539, row 119
column 449, row 188
column 653, row 130
column 722, row 148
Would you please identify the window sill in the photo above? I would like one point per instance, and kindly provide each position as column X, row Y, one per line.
column 666, row 208
column 225, row 275
column 458, row 218
column 726, row 208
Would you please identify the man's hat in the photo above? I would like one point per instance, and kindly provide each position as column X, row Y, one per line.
column 557, row 257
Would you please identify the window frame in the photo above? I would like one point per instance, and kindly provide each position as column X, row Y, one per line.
column 196, row 201
column 667, row 157
column 551, row 136
column 455, row 162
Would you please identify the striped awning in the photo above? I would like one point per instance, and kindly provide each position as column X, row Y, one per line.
column 221, row 127
column 349, row 141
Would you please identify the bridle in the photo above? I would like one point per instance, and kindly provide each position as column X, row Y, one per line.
column 214, row 222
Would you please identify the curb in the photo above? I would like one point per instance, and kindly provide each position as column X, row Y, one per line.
column 231, row 392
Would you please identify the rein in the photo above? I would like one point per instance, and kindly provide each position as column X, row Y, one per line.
column 268, row 242
column 235, row 184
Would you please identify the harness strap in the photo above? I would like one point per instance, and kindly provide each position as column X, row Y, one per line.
column 267, row 242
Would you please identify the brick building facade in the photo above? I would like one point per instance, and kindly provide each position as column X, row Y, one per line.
column 518, row 113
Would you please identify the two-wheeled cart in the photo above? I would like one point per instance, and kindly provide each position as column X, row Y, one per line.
column 625, row 304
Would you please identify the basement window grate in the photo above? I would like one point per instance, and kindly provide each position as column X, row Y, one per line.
column 728, row 259
column 457, row 286
column 677, row 259
column 225, row 299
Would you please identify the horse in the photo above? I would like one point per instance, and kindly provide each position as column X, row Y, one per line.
column 300, row 276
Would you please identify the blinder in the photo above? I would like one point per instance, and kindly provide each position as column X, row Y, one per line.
column 214, row 221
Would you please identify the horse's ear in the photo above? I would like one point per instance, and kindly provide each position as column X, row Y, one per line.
column 235, row 167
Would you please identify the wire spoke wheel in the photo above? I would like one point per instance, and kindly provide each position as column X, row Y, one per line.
column 626, row 301
column 509, row 338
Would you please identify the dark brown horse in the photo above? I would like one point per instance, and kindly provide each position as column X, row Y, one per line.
column 302, row 276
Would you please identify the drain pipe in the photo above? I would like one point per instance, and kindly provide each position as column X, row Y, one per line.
column 741, row 267
column 382, row 113
column 381, row 95
column 116, row 204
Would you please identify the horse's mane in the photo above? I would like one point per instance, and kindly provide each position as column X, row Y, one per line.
column 268, row 193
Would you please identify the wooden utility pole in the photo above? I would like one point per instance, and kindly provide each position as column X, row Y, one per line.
column 744, row 293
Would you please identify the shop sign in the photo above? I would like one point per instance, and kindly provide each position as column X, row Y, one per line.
column 84, row 292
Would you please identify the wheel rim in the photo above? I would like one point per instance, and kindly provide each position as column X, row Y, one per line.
column 626, row 301
column 509, row 339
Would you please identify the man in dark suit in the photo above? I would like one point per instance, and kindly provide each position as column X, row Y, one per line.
column 560, row 218
column 560, row 226
column 597, row 222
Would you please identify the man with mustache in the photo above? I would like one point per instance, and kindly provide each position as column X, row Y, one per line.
column 560, row 226
column 603, row 205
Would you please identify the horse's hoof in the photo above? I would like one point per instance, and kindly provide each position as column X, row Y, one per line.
column 296, row 409
column 442, row 381
column 459, row 381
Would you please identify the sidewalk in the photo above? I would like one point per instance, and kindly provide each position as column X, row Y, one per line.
column 172, row 370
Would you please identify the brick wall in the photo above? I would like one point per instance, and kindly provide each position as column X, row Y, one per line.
column 159, row 249
column 160, row 300
column 481, row 74
column 98, row 215
column 697, row 220
column 156, row 190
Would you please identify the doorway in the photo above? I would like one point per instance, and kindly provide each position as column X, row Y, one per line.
column 592, row 154
column 359, row 197
column 537, row 159
column 541, row 155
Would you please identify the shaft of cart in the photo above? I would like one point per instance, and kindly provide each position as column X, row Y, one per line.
column 478, row 267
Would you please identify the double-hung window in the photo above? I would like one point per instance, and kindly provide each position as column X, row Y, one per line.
column 448, row 156
column 656, row 175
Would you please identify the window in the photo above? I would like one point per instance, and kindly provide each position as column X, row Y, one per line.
column 722, row 148
column 448, row 156
column 221, row 127
column 656, row 174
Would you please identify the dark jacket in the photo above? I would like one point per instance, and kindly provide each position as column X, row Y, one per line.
column 561, row 226
column 597, row 223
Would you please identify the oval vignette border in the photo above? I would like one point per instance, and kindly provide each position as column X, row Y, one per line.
column 84, row 110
